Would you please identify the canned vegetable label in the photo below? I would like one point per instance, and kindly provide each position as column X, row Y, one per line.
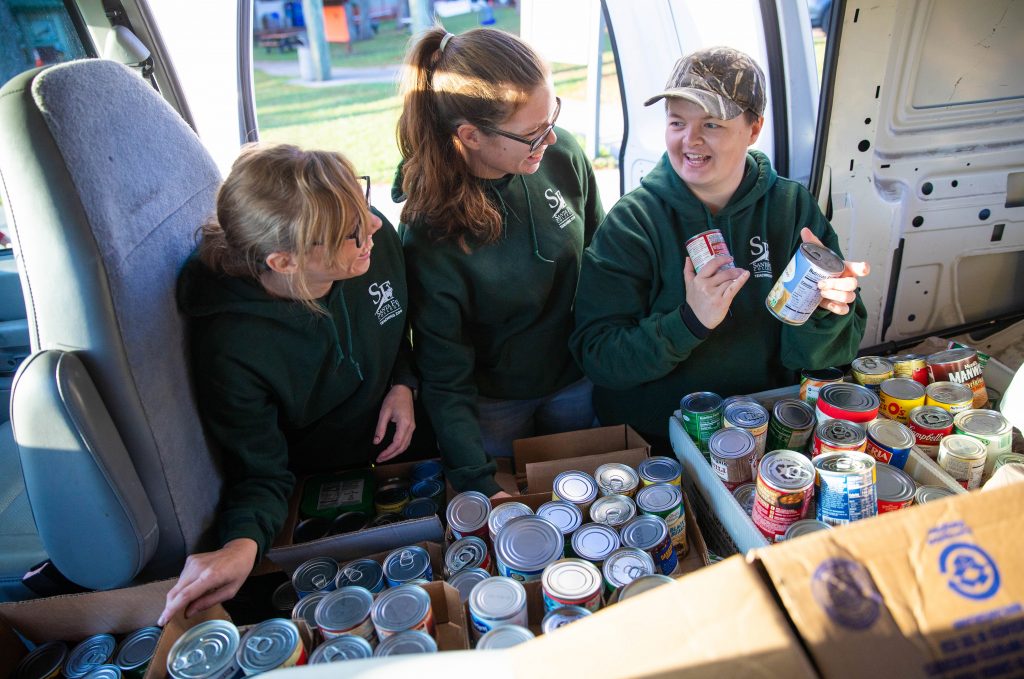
column 845, row 487
column 811, row 382
column 702, row 247
column 702, row 416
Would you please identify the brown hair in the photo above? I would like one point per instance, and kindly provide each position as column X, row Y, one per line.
column 283, row 199
column 481, row 77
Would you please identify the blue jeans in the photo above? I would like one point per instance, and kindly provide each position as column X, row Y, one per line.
column 504, row 420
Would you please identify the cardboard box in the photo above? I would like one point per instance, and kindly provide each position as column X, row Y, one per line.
column 541, row 458
column 720, row 621
column 934, row 590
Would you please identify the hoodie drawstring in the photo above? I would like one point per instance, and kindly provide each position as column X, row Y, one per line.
column 348, row 336
column 533, row 227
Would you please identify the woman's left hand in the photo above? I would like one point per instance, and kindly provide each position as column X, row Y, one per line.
column 397, row 408
column 837, row 294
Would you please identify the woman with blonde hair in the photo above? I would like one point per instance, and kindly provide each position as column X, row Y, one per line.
column 298, row 312
column 499, row 206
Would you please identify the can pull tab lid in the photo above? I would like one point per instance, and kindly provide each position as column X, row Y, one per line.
column 319, row 580
column 260, row 644
column 406, row 559
column 352, row 574
column 615, row 483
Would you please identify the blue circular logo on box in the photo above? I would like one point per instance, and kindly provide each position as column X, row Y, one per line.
column 845, row 591
column 972, row 572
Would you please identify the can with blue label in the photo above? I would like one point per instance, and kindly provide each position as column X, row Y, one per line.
column 795, row 295
column 846, row 487
column 525, row 546
column 650, row 533
column 408, row 565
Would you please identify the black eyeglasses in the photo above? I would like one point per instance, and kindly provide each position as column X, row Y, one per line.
column 535, row 143
column 355, row 236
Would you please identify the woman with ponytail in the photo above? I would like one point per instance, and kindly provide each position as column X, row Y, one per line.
column 499, row 206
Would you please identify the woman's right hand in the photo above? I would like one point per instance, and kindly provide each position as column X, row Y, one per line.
column 210, row 578
column 710, row 293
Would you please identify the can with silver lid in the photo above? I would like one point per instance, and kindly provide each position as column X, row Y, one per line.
column 501, row 514
column 845, row 487
column 88, row 655
column 811, row 382
column 614, row 510
column 961, row 366
column 305, row 610
column 525, row 546
column 930, row 424
column 871, row 371
column 404, row 608
column 989, row 427
column 560, row 617
column 467, row 514
column 104, row 672
column 926, row 494
column 643, row 584
column 466, row 553
column 346, row 611
column 754, row 418
column 650, row 533
column 701, row 414
column 950, row 396
column 889, row 442
column 406, row 643
column 566, row 516
column 465, row 580
column 576, row 487
column 836, row 436
column 791, row 426
column 571, row 582
column 595, row 542
column 428, row 488
column 785, row 486
column 744, row 494
column 894, row 488
column 1005, row 459
column 732, row 456
column 660, row 469
column 963, row 458
column 315, row 575
column 420, row 508
column 270, row 645
column 495, row 602
column 845, row 401
column 345, row 647
column 625, row 565
column 505, row 636
column 408, row 565
column 136, row 650
column 666, row 501
column 900, row 395
column 42, row 662
column 803, row 527
column 795, row 295
column 362, row 573
column 911, row 366
column 284, row 598
column 616, row 479
column 207, row 651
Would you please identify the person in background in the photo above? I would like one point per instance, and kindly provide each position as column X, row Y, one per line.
column 649, row 328
column 499, row 206
column 299, row 336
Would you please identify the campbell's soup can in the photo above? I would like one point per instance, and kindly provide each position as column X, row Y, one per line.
column 836, row 436
column 785, row 486
column 845, row 487
column 705, row 245
column 894, row 488
column 962, row 367
column 889, row 442
column 844, row 401
column 950, row 396
column 963, row 458
column 930, row 424
column 911, row 366
column 989, row 427
column 871, row 371
column 791, row 426
column 899, row 396
column 795, row 295
column 811, row 382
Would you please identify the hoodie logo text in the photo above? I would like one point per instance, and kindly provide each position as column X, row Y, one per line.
column 759, row 265
column 384, row 297
column 562, row 214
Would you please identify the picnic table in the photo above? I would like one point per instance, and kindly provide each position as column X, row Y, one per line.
column 285, row 40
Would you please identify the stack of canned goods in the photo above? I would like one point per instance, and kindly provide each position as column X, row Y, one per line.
column 99, row 655
column 323, row 574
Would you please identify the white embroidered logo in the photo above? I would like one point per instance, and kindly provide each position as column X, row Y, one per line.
column 561, row 212
column 760, row 266
column 384, row 297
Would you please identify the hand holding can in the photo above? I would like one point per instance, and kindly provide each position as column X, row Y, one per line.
column 710, row 292
column 839, row 292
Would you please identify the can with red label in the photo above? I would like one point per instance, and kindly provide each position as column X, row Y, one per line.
column 911, row 366
column 837, row 436
column 811, row 382
column 706, row 245
column 871, row 371
column 889, row 442
column 930, row 424
column 844, row 401
column 785, row 486
column 950, row 396
column 900, row 395
column 894, row 487
column 962, row 367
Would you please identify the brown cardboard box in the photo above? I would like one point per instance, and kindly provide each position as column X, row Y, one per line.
column 449, row 617
column 541, row 458
column 718, row 622
column 934, row 590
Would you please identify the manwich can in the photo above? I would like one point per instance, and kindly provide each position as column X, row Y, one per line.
column 576, row 487
column 785, row 486
column 666, row 501
column 660, row 469
column 795, row 295
column 844, row 401
column 270, row 645
column 732, row 456
column 950, row 396
column 989, row 427
column 835, row 436
column 889, row 442
column 467, row 514
column 206, row 651
column 754, row 418
column 899, row 396
column 616, row 478
column 404, row 608
column 705, row 245
column 346, row 611
column 571, row 582
column 962, row 367
column 894, row 488
column 845, row 487
column 526, row 545
column 701, row 413
column 791, row 426
column 930, row 424
column 811, row 382
column 911, row 366
column 963, row 458
column 871, row 371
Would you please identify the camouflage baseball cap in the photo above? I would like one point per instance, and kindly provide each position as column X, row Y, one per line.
column 723, row 81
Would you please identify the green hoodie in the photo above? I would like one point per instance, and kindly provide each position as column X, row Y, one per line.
column 496, row 322
column 282, row 389
column 630, row 337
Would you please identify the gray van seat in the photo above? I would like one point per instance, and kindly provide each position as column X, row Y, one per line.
column 20, row 546
column 105, row 188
